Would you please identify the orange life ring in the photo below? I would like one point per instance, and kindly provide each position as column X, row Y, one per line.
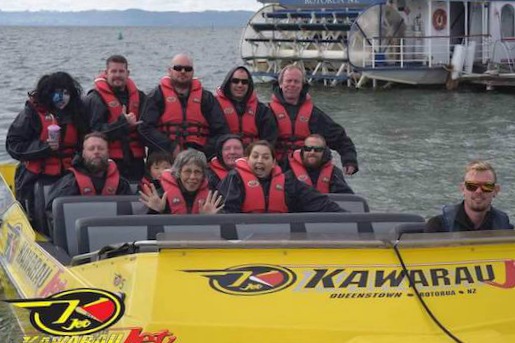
column 439, row 19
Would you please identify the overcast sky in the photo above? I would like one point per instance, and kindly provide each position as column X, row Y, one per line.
column 149, row 5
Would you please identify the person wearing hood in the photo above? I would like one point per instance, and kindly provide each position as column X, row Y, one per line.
column 115, row 106
column 297, row 117
column 180, row 113
column 246, row 116
column 46, row 134
column 312, row 165
column 258, row 185
column 229, row 148
column 92, row 173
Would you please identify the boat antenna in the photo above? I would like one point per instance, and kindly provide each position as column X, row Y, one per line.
column 417, row 293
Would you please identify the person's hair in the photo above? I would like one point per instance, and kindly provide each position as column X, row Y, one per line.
column 291, row 67
column 96, row 134
column 317, row 136
column 186, row 157
column 251, row 146
column 117, row 59
column 47, row 85
column 480, row 166
column 44, row 93
column 157, row 157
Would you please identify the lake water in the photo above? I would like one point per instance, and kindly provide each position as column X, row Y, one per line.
column 412, row 143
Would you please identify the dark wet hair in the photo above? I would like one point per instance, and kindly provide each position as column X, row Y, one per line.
column 159, row 156
column 251, row 146
column 45, row 89
column 47, row 85
column 117, row 59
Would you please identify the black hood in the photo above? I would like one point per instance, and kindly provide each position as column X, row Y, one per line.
column 279, row 93
column 225, row 86
column 220, row 143
column 326, row 157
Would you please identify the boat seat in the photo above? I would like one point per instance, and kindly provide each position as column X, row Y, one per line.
column 410, row 228
column 41, row 189
column 66, row 210
column 95, row 233
column 350, row 202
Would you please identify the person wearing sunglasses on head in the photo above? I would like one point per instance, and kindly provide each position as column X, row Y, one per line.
column 245, row 115
column 312, row 164
column 258, row 185
column 475, row 212
column 180, row 113
column 115, row 106
column 297, row 118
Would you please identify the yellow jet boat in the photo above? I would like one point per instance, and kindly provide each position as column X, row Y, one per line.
column 299, row 287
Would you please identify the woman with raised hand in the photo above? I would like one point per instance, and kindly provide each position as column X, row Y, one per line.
column 257, row 185
column 185, row 188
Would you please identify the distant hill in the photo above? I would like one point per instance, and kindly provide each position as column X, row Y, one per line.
column 130, row 17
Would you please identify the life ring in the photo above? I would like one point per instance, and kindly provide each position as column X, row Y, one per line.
column 439, row 19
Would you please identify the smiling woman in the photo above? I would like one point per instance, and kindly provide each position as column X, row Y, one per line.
column 258, row 185
column 185, row 188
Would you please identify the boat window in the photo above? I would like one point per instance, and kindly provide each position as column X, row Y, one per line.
column 507, row 22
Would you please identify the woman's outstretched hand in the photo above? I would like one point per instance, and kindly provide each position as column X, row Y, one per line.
column 213, row 204
column 150, row 197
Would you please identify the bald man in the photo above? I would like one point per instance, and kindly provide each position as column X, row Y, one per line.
column 180, row 114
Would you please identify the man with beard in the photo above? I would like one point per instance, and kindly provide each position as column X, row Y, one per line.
column 297, row 117
column 91, row 174
column 114, row 106
column 180, row 114
column 228, row 149
column 245, row 115
column 475, row 212
column 312, row 165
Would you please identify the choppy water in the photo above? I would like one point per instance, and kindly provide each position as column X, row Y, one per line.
column 412, row 144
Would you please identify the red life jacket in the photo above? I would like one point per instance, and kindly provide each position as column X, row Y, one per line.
column 218, row 168
column 245, row 126
column 67, row 147
column 291, row 137
column 175, row 199
column 86, row 186
column 254, row 201
column 324, row 179
column 183, row 125
column 115, row 111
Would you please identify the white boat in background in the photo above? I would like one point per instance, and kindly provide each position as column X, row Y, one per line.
column 416, row 42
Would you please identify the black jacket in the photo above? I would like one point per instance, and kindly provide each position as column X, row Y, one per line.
column 299, row 196
column 337, row 184
column 67, row 185
column 23, row 143
column 265, row 120
column 155, row 139
column 99, row 115
column 212, row 178
column 321, row 123
column 462, row 222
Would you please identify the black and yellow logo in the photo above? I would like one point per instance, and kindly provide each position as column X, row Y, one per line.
column 74, row 312
column 249, row 279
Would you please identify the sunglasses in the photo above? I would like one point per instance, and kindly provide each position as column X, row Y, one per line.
column 235, row 80
column 187, row 69
column 313, row 148
column 487, row 187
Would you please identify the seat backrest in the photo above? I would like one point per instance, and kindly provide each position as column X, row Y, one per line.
column 403, row 228
column 105, row 231
column 66, row 210
column 41, row 189
column 350, row 202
